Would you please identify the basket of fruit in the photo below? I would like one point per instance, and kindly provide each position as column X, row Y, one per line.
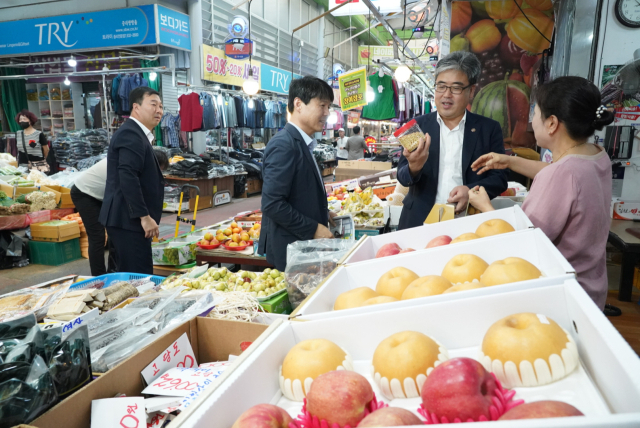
column 237, row 246
column 208, row 242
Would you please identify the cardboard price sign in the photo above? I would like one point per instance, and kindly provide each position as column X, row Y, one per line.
column 179, row 354
column 181, row 382
column 353, row 88
column 125, row 412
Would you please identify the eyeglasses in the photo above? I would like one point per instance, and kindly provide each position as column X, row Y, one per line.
column 455, row 90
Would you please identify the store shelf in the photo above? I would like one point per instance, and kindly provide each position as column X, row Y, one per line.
column 75, row 103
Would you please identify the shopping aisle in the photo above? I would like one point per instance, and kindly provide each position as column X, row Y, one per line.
column 17, row 278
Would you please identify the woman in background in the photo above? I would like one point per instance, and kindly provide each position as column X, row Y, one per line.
column 30, row 139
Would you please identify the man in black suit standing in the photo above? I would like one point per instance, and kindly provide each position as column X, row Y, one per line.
column 439, row 170
column 132, row 204
column 294, row 201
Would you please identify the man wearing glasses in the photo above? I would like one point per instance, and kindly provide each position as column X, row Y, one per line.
column 439, row 170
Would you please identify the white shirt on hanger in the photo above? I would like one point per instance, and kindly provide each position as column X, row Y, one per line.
column 450, row 169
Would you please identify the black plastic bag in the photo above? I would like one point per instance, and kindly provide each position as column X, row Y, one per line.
column 70, row 362
column 13, row 251
column 17, row 328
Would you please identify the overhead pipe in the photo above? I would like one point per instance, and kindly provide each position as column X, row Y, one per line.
column 360, row 22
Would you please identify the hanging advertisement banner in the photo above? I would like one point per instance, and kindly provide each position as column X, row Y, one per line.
column 217, row 67
column 357, row 7
column 353, row 87
column 134, row 26
column 275, row 79
column 353, row 119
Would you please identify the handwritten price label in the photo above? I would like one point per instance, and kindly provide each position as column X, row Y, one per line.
column 124, row 412
column 178, row 354
column 180, row 382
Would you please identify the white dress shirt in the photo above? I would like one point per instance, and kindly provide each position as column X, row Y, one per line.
column 342, row 148
column 146, row 130
column 311, row 144
column 92, row 181
column 450, row 170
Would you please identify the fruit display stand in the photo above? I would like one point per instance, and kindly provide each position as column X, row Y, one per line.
column 531, row 245
column 605, row 385
column 418, row 237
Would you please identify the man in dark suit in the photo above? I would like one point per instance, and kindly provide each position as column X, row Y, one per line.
column 439, row 170
column 132, row 204
column 294, row 201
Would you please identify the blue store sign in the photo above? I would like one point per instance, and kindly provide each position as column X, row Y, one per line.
column 275, row 79
column 136, row 26
column 173, row 28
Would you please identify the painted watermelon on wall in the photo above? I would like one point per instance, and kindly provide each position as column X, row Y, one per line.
column 507, row 102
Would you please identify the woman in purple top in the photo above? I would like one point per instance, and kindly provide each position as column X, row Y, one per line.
column 570, row 199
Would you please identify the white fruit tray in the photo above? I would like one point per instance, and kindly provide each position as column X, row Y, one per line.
column 418, row 237
column 531, row 245
column 605, row 386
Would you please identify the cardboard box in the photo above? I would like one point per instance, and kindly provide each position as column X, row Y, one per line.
column 348, row 164
column 343, row 174
column 531, row 245
column 9, row 190
column 383, row 191
column 278, row 305
column 418, row 237
column 55, row 231
column 55, row 192
column 605, row 386
column 65, row 196
column 254, row 185
column 247, row 221
column 378, row 166
column 14, row 191
column 212, row 340
column 626, row 210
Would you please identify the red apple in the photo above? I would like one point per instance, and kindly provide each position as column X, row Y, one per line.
column 541, row 409
column 407, row 250
column 459, row 388
column 438, row 241
column 509, row 52
column 339, row 397
column 390, row 417
column 263, row 416
column 388, row 250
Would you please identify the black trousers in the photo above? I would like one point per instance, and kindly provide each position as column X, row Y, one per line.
column 133, row 249
column 89, row 209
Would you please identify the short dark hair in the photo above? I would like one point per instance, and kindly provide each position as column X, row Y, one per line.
column 356, row 129
column 163, row 159
column 574, row 101
column 26, row 113
column 137, row 95
column 307, row 88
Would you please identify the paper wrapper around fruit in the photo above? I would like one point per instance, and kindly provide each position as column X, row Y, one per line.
column 294, row 391
column 410, row 388
column 502, row 403
column 541, row 372
column 306, row 420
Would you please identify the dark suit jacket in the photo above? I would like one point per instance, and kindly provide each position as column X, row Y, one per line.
column 486, row 138
column 294, row 201
column 135, row 186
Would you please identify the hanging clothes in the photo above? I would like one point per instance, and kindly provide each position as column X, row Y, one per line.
column 190, row 112
column 239, row 105
column 269, row 116
column 208, row 112
column 170, row 125
column 382, row 107
column 115, row 99
column 230, row 112
column 128, row 84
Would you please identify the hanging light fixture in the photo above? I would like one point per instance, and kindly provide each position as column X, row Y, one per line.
column 67, row 81
column 371, row 95
column 333, row 118
column 72, row 62
column 153, row 75
column 402, row 73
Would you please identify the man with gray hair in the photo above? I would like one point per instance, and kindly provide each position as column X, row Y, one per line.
column 439, row 170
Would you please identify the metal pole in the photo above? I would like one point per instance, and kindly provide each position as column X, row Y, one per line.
column 321, row 16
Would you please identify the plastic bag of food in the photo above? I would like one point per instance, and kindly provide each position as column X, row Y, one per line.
column 132, row 341
column 309, row 263
column 186, row 306
column 25, row 350
column 70, row 362
column 156, row 302
column 113, row 320
column 17, row 328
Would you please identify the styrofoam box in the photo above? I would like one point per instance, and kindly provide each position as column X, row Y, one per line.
column 605, row 386
column 418, row 237
column 531, row 245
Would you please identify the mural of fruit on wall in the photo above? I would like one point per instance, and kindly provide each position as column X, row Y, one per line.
column 508, row 45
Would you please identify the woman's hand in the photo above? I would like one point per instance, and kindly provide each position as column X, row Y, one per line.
column 478, row 198
column 490, row 161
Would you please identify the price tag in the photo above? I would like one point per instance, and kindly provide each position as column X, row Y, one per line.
column 218, row 368
column 178, row 354
column 125, row 412
column 156, row 420
column 181, row 382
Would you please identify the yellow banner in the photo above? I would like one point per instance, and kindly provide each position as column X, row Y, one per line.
column 217, row 67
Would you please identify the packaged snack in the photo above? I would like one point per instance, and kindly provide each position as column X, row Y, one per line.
column 409, row 135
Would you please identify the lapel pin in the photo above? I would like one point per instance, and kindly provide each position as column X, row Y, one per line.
column 473, row 129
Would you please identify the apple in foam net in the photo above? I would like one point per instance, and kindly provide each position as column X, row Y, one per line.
column 339, row 397
column 541, row 409
column 459, row 388
column 390, row 417
column 263, row 416
column 439, row 241
column 388, row 250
